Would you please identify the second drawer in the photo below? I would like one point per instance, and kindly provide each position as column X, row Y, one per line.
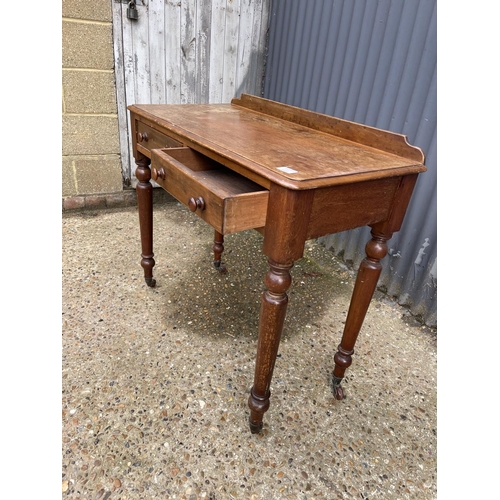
column 226, row 200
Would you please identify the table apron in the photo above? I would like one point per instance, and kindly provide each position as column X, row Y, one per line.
column 347, row 206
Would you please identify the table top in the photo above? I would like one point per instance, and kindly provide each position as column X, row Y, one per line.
column 290, row 146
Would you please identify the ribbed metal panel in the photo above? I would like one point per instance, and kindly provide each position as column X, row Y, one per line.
column 373, row 62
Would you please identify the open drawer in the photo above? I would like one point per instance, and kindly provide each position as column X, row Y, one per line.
column 225, row 199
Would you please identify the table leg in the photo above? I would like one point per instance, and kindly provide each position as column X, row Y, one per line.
column 145, row 205
column 218, row 249
column 272, row 317
column 366, row 282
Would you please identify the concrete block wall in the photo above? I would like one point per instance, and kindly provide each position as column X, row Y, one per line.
column 91, row 165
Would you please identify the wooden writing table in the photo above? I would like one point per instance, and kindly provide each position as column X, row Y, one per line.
column 291, row 174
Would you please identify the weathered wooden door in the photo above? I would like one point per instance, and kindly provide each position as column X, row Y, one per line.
column 186, row 51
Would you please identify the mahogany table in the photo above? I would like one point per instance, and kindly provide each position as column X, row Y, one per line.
column 290, row 173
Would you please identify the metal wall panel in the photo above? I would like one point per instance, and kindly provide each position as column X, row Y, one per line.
column 373, row 62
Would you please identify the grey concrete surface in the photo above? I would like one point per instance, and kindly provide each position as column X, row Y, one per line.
column 156, row 380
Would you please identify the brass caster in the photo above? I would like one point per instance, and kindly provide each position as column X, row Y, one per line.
column 151, row 282
column 221, row 268
column 255, row 428
column 338, row 392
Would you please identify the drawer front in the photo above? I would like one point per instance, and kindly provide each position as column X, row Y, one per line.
column 226, row 200
column 148, row 138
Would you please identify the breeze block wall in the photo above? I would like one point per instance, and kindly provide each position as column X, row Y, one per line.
column 91, row 165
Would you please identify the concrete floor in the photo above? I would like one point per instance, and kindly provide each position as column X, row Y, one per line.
column 156, row 380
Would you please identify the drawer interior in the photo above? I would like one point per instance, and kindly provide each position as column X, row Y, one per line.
column 220, row 180
column 192, row 159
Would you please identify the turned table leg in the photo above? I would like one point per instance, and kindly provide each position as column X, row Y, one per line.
column 218, row 249
column 272, row 317
column 285, row 235
column 145, row 205
column 366, row 282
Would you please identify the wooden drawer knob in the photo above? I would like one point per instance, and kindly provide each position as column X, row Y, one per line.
column 158, row 173
column 195, row 204
column 142, row 136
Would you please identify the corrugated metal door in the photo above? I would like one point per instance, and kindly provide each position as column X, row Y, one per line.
column 186, row 51
column 372, row 62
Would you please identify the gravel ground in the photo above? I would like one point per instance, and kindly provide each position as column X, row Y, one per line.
column 156, row 380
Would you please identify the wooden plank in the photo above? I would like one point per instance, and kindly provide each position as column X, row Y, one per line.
column 129, row 79
column 173, row 51
column 203, row 40
column 121, row 98
column 156, row 45
column 230, row 50
column 128, row 56
column 255, row 84
column 188, row 51
column 141, row 47
column 217, row 34
column 244, row 54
